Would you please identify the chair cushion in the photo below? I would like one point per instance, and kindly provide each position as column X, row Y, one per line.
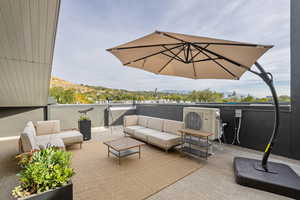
column 28, row 139
column 164, row 140
column 143, row 121
column 155, row 123
column 70, row 137
column 48, row 127
column 130, row 120
column 57, row 142
column 132, row 129
column 172, row 126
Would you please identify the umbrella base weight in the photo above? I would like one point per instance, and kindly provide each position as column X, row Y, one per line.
column 281, row 179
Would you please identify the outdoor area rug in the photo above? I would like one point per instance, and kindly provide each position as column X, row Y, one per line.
column 100, row 177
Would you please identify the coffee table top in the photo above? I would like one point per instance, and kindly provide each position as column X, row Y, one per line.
column 123, row 143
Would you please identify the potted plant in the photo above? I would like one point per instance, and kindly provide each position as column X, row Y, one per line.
column 84, row 125
column 45, row 174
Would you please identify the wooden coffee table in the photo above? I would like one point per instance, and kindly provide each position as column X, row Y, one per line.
column 123, row 147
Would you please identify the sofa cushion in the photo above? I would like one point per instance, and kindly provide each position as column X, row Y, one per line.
column 131, row 129
column 70, row 137
column 164, row 140
column 28, row 139
column 43, row 142
column 143, row 121
column 47, row 127
column 155, row 123
column 143, row 133
column 130, row 120
column 172, row 126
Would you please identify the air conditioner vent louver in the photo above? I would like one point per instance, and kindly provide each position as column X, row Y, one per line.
column 193, row 121
column 203, row 119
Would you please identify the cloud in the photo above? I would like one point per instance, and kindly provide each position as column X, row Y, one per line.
column 86, row 29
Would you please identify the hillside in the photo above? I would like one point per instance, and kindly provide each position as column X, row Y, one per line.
column 57, row 82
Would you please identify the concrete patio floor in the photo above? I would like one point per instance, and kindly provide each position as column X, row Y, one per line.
column 213, row 181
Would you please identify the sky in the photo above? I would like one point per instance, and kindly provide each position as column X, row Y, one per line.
column 87, row 28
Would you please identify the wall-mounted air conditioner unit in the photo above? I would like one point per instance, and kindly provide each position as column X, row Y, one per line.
column 203, row 119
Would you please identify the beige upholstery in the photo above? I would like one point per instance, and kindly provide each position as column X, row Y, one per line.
column 155, row 123
column 131, row 129
column 54, row 141
column 164, row 140
column 142, row 134
column 28, row 138
column 160, row 132
column 30, row 141
column 143, row 121
column 172, row 126
column 71, row 137
column 68, row 137
column 130, row 120
column 47, row 127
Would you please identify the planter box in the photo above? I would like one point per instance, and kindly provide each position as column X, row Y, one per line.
column 85, row 129
column 63, row 193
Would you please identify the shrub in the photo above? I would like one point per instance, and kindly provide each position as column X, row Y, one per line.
column 42, row 171
column 84, row 117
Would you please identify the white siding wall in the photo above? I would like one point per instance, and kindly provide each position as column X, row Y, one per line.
column 27, row 36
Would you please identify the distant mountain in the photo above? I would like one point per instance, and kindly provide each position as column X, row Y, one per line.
column 176, row 91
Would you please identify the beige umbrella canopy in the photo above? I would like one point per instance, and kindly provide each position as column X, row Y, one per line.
column 189, row 56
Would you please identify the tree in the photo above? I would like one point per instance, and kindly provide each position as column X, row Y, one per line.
column 284, row 98
column 68, row 96
column 248, row 98
column 63, row 96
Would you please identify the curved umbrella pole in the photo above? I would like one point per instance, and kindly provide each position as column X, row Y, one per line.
column 268, row 79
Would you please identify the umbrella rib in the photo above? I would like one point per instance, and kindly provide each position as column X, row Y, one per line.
column 170, row 36
column 192, row 59
column 141, row 46
column 214, row 43
column 176, row 55
column 222, row 57
column 196, row 55
column 220, row 65
column 170, row 60
column 207, row 59
column 171, row 57
column 232, row 44
column 187, row 52
column 151, row 55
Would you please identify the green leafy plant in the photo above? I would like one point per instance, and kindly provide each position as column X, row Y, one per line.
column 84, row 117
column 42, row 171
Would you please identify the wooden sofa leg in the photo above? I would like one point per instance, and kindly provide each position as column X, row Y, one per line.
column 20, row 146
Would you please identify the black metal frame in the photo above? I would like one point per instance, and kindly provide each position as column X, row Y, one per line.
column 202, row 48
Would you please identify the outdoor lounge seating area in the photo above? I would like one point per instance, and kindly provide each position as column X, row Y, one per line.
column 156, row 176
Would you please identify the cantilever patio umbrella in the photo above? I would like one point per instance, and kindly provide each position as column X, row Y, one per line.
column 196, row 57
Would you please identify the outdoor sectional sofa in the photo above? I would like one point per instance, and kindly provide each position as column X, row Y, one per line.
column 47, row 133
column 159, row 132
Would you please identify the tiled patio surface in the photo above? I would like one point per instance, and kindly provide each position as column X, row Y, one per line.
column 214, row 181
